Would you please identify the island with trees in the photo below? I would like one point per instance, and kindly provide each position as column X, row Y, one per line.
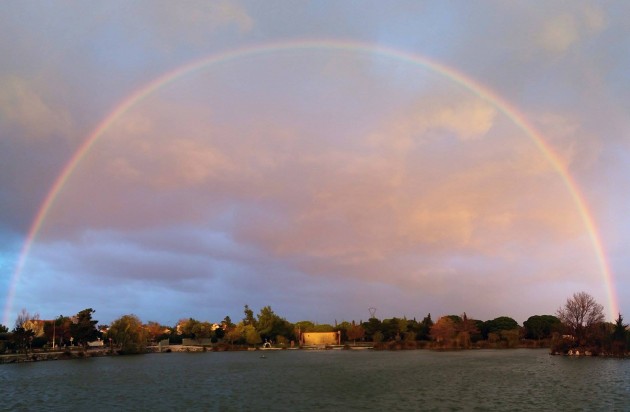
column 577, row 328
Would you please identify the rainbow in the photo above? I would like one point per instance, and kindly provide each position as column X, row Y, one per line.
column 329, row 45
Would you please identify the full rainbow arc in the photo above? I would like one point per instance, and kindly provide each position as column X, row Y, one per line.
column 328, row 45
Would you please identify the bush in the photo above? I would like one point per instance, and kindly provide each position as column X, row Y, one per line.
column 410, row 345
column 39, row 343
column 562, row 345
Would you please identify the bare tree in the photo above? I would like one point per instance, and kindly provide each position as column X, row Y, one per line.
column 24, row 318
column 580, row 313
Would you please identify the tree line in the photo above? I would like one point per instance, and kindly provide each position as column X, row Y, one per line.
column 578, row 325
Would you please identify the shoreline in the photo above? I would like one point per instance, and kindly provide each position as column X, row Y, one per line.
column 54, row 355
column 79, row 353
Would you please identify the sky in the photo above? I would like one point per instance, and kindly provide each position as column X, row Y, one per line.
column 183, row 159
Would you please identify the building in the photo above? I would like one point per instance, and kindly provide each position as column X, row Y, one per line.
column 320, row 338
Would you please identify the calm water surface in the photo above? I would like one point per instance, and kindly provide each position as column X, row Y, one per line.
column 321, row 380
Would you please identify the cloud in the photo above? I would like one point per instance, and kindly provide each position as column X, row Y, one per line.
column 465, row 119
column 444, row 175
column 594, row 18
column 25, row 111
column 234, row 13
column 178, row 163
column 577, row 148
column 561, row 32
column 213, row 15
column 193, row 23
column 302, row 176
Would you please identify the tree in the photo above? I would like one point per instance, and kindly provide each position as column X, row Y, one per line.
column 252, row 337
column 342, row 328
column 465, row 329
column 58, row 330
column 372, row 326
column 202, row 330
column 424, row 328
column 467, row 325
column 22, row 318
column 497, row 325
column 3, row 329
column 22, row 334
column 227, row 324
column 580, row 313
column 83, row 328
column 510, row 337
column 443, row 331
column 156, row 332
column 235, row 334
column 541, row 326
column 390, row 328
column 184, row 327
column 503, row 323
column 249, row 316
column 410, row 336
column 192, row 328
column 322, row 327
column 620, row 336
column 129, row 334
column 270, row 325
column 355, row 332
column 304, row 326
column 30, row 322
column 21, row 338
column 394, row 328
column 5, row 339
column 218, row 334
column 455, row 318
column 621, row 329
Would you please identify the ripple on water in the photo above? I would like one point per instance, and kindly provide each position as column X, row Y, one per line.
column 321, row 380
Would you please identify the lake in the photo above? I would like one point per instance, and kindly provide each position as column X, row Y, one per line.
column 520, row 379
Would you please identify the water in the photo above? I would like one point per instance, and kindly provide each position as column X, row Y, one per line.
column 321, row 380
